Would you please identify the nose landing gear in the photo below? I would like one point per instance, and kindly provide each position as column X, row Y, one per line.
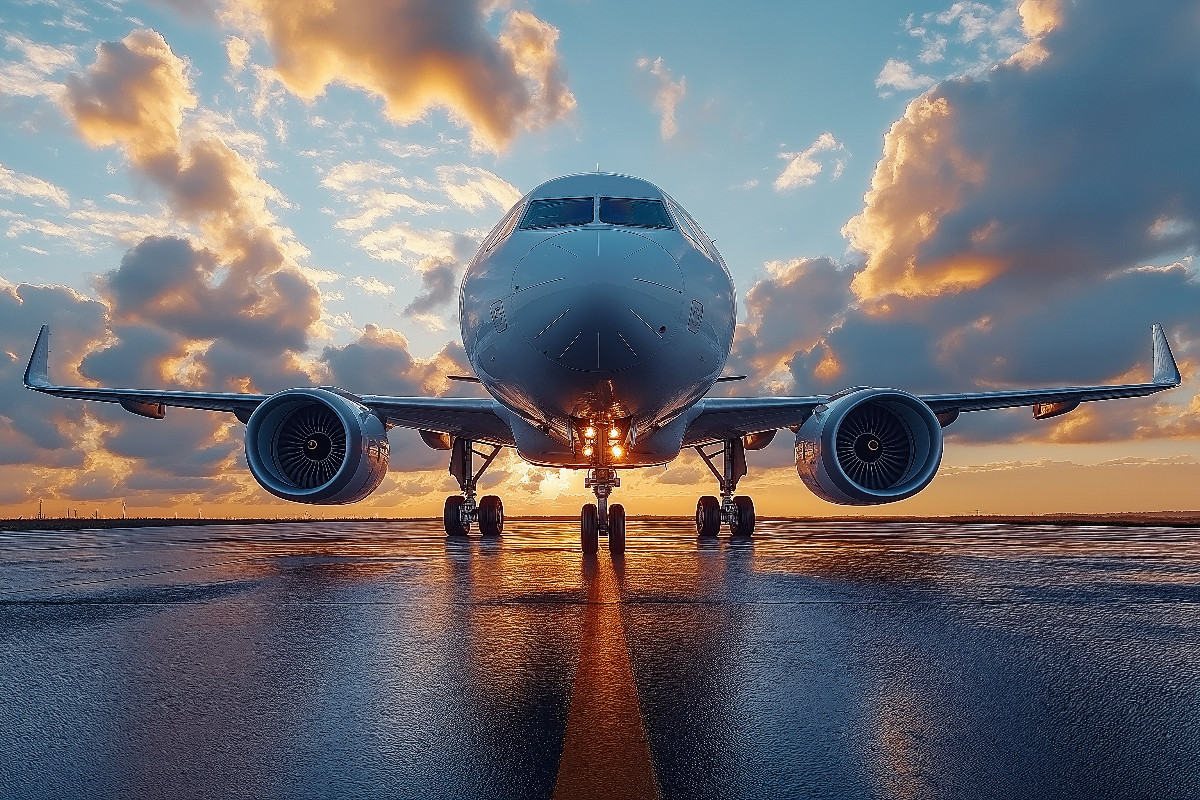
column 462, row 510
column 735, row 511
column 597, row 518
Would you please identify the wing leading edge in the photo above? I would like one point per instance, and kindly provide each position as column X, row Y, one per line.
column 713, row 419
column 731, row 417
column 459, row 416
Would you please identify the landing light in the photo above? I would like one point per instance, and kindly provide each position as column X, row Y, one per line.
column 617, row 451
column 614, row 432
column 590, row 433
column 587, row 451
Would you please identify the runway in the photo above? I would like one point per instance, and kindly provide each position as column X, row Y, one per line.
column 836, row 660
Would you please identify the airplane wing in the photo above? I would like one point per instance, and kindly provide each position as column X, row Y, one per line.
column 731, row 417
column 459, row 416
column 468, row 417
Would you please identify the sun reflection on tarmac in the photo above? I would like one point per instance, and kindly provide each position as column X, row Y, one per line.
column 818, row 659
column 605, row 752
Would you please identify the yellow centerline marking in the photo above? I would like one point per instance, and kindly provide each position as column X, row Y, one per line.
column 605, row 752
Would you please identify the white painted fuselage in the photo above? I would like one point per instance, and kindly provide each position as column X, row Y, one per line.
column 622, row 325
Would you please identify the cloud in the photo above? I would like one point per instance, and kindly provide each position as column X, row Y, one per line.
column 134, row 95
column 969, row 38
column 993, row 177
column 241, row 280
column 210, row 295
column 350, row 175
column 441, row 274
column 43, row 58
column 87, row 227
column 803, row 168
column 15, row 183
column 792, row 310
column 237, row 50
column 373, row 285
column 900, row 75
column 1012, row 237
column 30, row 77
column 377, row 204
column 379, row 362
column 439, row 279
column 668, row 94
column 169, row 282
column 472, row 188
column 418, row 55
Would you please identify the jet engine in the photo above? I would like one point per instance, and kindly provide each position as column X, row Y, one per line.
column 316, row 446
column 869, row 446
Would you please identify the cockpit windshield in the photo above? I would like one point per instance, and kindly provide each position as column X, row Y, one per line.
column 629, row 212
column 558, row 213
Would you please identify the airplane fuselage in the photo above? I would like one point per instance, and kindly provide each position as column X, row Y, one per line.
column 597, row 302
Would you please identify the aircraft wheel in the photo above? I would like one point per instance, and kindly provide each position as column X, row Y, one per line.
column 616, row 529
column 708, row 517
column 745, row 523
column 491, row 515
column 451, row 517
column 589, row 529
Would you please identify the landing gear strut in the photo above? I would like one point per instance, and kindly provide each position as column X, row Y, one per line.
column 736, row 512
column 597, row 518
column 462, row 510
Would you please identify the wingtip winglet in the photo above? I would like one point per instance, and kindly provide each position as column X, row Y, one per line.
column 37, row 373
column 1165, row 370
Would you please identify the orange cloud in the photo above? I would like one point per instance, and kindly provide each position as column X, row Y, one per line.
column 924, row 174
column 668, row 94
column 1039, row 17
column 418, row 55
column 240, row 280
column 134, row 95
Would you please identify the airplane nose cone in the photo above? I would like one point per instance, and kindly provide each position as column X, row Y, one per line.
column 597, row 300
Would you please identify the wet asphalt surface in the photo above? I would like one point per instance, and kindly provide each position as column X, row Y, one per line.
column 819, row 660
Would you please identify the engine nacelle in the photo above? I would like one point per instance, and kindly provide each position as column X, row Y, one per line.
column 316, row 446
column 869, row 446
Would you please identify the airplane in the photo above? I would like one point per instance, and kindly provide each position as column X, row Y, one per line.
column 598, row 315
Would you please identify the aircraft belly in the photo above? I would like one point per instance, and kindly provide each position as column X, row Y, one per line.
column 545, row 391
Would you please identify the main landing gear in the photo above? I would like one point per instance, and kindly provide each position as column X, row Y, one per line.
column 736, row 512
column 598, row 518
column 462, row 510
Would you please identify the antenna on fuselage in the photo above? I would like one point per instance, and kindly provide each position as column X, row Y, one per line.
column 597, row 166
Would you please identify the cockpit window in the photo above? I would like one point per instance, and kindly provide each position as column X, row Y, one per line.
column 558, row 213
column 634, row 213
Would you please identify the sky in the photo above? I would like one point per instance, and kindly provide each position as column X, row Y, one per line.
column 250, row 195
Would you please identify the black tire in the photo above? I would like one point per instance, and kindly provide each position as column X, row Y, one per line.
column 708, row 517
column 745, row 521
column 491, row 516
column 616, row 529
column 589, row 529
column 451, row 517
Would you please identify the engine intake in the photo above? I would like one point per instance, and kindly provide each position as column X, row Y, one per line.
column 869, row 446
column 316, row 446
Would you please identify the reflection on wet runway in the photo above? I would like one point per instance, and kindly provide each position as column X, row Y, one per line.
column 380, row 660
